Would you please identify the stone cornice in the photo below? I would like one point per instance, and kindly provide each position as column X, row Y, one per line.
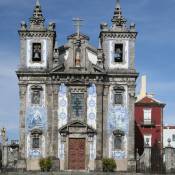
column 44, row 33
column 115, row 34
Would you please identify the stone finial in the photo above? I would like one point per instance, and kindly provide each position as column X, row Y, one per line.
column 37, row 3
column 133, row 27
column 118, row 19
column 104, row 26
column 37, row 20
column 51, row 26
column 23, row 25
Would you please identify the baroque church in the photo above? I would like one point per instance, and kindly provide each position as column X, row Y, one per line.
column 76, row 100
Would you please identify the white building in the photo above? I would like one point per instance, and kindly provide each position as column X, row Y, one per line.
column 169, row 136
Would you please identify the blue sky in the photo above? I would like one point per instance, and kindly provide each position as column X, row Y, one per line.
column 155, row 22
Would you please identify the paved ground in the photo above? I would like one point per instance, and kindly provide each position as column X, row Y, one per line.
column 71, row 173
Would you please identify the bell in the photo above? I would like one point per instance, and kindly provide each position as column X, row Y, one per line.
column 36, row 55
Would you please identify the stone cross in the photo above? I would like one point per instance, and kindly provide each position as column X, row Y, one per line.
column 77, row 24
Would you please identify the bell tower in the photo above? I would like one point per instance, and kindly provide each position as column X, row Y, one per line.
column 118, row 45
column 37, row 41
column 118, row 41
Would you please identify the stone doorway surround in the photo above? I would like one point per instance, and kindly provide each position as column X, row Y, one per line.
column 76, row 130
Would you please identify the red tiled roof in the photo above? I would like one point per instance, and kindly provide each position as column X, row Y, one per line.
column 149, row 101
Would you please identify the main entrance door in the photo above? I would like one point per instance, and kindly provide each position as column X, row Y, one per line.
column 76, row 154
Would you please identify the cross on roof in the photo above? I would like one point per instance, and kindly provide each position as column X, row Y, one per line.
column 77, row 24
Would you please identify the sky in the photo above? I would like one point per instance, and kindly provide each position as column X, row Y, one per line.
column 155, row 46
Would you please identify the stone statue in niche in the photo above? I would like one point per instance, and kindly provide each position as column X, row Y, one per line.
column 77, row 57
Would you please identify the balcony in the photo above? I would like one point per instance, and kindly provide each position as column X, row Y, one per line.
column 148, row 123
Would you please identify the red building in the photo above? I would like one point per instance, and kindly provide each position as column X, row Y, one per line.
column 148, row 121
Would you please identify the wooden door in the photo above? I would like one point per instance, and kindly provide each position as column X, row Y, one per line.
column 76, row 154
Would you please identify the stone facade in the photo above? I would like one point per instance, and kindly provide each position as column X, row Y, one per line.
column 77, row 94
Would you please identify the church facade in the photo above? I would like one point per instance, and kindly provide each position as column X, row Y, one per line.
column 76, row 100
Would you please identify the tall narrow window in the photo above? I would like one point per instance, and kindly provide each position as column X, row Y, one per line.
column 147, row 116
column 118, row 53
column 77, row 104
column 36, row 52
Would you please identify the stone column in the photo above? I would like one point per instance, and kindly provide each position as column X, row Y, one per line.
column 105, row 122
column 99, row 148
column 131, row 133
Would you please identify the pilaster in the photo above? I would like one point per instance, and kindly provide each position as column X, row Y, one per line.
column 49, row 90
column 99, row 148
column 105, row 122
column 22, row 118
column 55, row 121
column 131, row 133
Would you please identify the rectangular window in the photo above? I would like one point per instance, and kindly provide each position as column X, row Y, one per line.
column 118, row 53
column 118, row 142
column 147, row 116
column 36, row 52
column 173, row 137
column 77, row 104
column 35, row 142
column 147, row 140
column 118, row 98
column 36, row 97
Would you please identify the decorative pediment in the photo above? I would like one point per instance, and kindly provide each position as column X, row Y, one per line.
column 118, row 133
column 76, row 127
